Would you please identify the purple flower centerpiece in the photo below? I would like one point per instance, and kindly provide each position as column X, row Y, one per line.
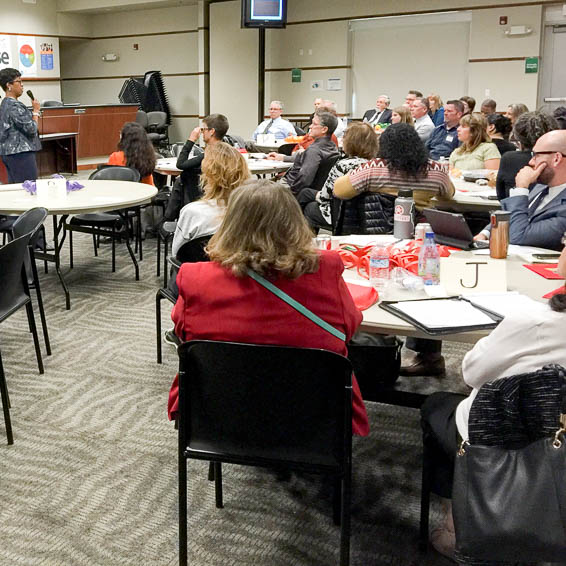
column 31, row 187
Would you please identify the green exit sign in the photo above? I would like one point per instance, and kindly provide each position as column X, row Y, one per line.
column 531, row 65
column 296, row 75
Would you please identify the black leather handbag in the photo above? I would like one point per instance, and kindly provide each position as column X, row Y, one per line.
column 510, row 504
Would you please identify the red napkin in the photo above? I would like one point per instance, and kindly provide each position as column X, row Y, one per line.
column 545, row 270
column 364, row 297
column 555, row 292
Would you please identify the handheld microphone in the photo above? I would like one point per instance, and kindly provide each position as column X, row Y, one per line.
column 30, row 94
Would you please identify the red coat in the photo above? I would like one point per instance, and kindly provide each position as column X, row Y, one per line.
column 213, row 304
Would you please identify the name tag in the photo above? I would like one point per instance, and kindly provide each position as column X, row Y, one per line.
column 449, row 138
column 478, row 274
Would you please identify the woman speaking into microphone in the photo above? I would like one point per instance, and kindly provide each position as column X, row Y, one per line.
column 19, row 138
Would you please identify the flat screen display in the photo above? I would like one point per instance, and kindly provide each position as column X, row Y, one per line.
column 264, row 13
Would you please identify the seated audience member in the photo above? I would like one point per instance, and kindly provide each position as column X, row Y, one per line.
column 499, row 127
column 135, row 151
column 403, row 164
column 213, row 129
column 306, row 163
column 223, row 169
column 528, row 128
column 331, row 107
column 402, row 114
column 423, row 123
column 436, row 110
column 360, row 144
column 477, row 151
column 317, row 103
column 265, row 231
column 469, row 104
column 275, row 125
column 537, row 203
column 524, row 341
column 306, row 142
column 560, row 115
column 513, row 112
column 412, row 95
column 444, row 138
column 381, row 114
column 488, row 107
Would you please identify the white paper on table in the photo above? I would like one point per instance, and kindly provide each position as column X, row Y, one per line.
column 444, row 313
column 367, row 239
column 504, row 304
column 526, row 253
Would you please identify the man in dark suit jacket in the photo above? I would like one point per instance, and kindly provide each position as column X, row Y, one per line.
column 381, row 114
column 538, row 202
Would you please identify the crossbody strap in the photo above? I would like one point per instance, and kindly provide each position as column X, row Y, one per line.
column 296, row 305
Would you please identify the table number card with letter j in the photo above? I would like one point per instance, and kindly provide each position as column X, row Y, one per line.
column 478, row 274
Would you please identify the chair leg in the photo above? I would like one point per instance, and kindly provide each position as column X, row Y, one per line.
column 44, row 247
column 182, row 510
column 345, row 518
column 425, row 497
column 31, row 321
column 70, row 248
column 337, row 502
column 5, row 403
column 158, row 253
column 165, row 250
column 113, row 249
column 158, row 325
column 218, row 484
column 40, row 303
column 132, row 255
column 211, row 471
column 139, row 231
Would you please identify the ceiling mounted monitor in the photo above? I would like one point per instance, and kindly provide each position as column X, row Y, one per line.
column 264, row 13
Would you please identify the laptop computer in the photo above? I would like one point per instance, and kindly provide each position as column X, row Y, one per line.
column 451, row 229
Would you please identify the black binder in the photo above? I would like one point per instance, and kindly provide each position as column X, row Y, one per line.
column 390, row 306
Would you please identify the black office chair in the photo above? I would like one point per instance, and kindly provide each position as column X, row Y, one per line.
column 368, row 213
column 107, row 224
column 270, row 406
column 31, row 222
column 14, row 294
column 157, row 128
column 190, row 252
column 51, row 103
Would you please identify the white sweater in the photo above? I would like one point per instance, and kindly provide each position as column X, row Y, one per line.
column 197, row 219
column 523, row 342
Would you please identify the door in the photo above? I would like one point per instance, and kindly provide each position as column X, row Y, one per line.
column 553, row 80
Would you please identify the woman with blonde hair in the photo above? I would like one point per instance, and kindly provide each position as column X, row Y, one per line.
column 436, row 107
column 402, row 114
column 476, row 151
column 223, row 170
column 264, row 232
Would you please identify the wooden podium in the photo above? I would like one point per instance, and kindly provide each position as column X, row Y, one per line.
column 98, row 126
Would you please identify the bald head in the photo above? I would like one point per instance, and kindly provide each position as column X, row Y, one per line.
column 550, row 150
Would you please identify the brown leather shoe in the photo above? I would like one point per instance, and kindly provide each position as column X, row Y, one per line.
column 422, row 365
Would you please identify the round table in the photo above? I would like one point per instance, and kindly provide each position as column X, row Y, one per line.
column 167, row 166
column 95, row 196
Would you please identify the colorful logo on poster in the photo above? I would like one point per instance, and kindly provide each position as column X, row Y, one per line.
column 27, row 56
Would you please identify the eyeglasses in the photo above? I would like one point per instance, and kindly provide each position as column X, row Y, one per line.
column 205, row 129
column 535, row 153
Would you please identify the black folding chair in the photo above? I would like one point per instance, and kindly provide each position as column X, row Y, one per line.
column 14, row 294
column 269, row 406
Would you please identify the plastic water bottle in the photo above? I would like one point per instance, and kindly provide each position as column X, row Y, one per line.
column 404, row 215
column 379, row 269
column 429, row 261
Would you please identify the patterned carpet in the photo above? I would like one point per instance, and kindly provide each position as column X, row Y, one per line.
column 91, row 478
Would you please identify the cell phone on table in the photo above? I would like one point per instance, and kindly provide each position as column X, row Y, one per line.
column 546, row 256
column 489, row 197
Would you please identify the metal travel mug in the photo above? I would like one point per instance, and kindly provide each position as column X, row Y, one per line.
column 499, row 240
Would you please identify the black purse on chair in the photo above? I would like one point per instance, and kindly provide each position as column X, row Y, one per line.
column 509, row 494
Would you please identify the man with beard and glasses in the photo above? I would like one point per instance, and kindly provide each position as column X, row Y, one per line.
column 538, row 202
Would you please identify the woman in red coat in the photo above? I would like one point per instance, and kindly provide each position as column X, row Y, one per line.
column 265, row 230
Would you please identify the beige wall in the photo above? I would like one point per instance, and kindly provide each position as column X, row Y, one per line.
column 170, row 53
column 233, row 68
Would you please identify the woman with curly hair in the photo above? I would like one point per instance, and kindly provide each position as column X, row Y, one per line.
column 403, row 163
column 223, row 170
column 476, row 150
column 264, row 231
column 135, row 151
column 529, row 127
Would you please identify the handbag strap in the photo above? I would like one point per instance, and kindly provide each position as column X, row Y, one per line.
column 296, row 305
